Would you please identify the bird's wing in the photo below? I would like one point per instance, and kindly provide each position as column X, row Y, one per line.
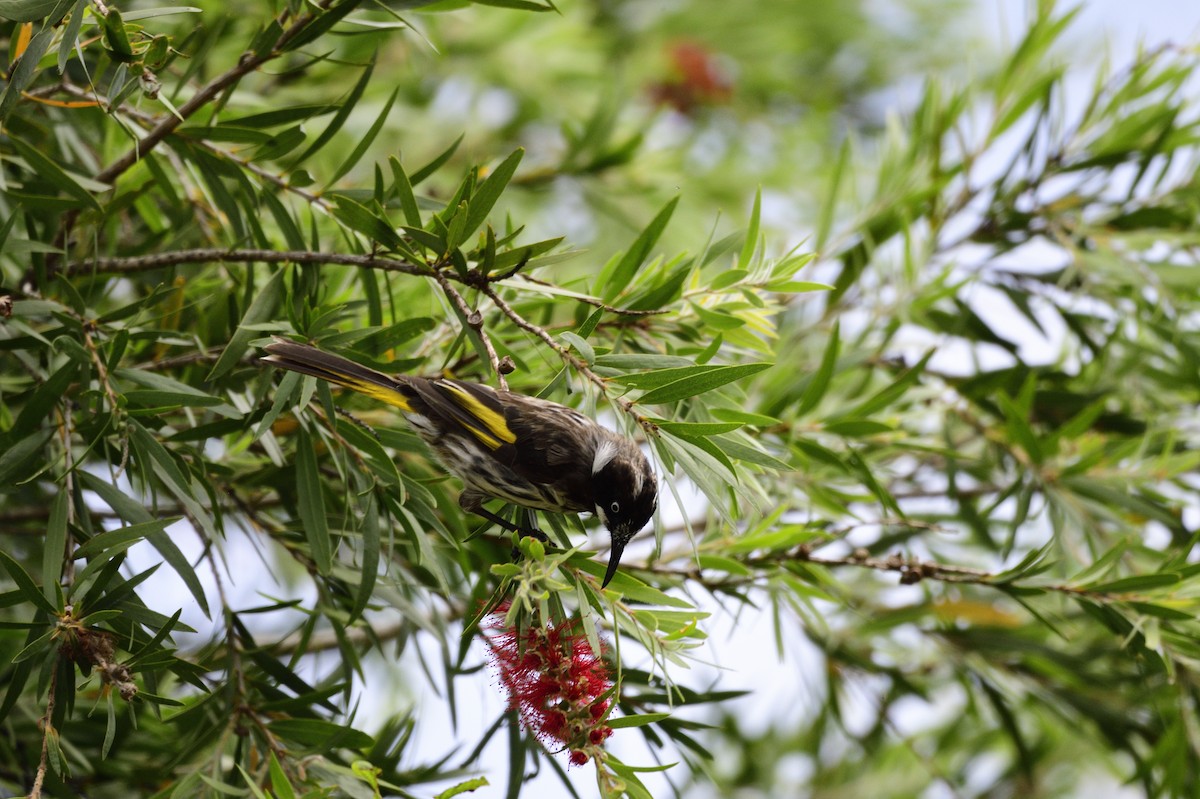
column 475, row 409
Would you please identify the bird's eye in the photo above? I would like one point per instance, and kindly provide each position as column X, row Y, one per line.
column 615, row 507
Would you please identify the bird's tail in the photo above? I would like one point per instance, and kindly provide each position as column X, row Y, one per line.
column 309, row 360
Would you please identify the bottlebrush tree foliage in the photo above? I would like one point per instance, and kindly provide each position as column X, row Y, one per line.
column 947, row 441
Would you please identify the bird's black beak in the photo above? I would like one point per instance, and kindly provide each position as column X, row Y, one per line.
column 614, row 560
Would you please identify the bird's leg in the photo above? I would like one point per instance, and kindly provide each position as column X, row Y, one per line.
column 502, row 522
column 473, row 503
column 532, row 528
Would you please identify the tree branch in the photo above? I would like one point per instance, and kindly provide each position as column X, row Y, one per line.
column 568, row 357
column 146, row 263
column 911, row 569
column 474, row 320
column 47, row 728
column 245, row 65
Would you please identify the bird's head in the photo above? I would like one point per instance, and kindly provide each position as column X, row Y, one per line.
column 626, row 494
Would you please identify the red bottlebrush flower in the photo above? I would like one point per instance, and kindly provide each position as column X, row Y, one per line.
column 554, row 681
column 698, row 79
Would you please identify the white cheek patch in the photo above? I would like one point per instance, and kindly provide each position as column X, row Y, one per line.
column 601, row 515
column 604, row 454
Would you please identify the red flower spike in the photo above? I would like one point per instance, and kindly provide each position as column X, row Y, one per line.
column 554, row 681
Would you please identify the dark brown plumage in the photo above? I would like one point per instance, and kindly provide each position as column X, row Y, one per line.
column 524, row 450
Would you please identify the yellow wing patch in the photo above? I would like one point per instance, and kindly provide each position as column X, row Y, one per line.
column 381, row 393
column 497, row 428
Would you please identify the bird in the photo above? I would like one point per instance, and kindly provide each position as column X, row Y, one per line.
column 502, row 444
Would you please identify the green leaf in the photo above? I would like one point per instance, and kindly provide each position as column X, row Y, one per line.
column 745, row 417
column 707, row 445
column 628, row 586
column 773, row 539
column 519, row 5
column 33, row 10
column 345, row 108
column 692, row 429
column 13, row 459
column 134, row 512
column 282, row 116
column 280, row 785
column 370, row 224
column 723, row 564
column 369, row 567
column 283, row 219
column 1163, row 611
column 485, row 196
column 1136, row 584
column 110, row 727
column 638, row 720
column 742, row 451
column 321, row 734
column 717, row 320
column 1019, row 429
column 251, row 783
column 322, row 24
column 797, row 286
column 172, row 399
column 616, row 282
column 746, row 257
column 310, row 503
column 436, row 163
column 365, row 142
column 55, row 552
column 26, row 68
column 818, row 384
column 700, row 380
column 463, row 787
column 161, row 11
column 580, row 345
column 25, row 584
column 1034, row 562
column 44, row 167
column 887, row 396
column 262, row 309
column 858, row 428
column 71, row 35
column 122, row 537
column 36, row 647
column 404, row 193
column 394, row 335
column 828, row 206
column 642, row 361
column 728, row 278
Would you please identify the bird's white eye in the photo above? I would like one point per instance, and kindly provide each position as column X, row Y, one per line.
column 615, row 507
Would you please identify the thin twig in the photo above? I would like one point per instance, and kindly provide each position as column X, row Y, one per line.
column 67, row 572
column 569, row 358
column 47, row 726
column 149, row 120
column 146, row 263
column 206, row 94
column 248, row 63
column 114, row 402
column 911, row 569
column 596, row 303
column 474, row 320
